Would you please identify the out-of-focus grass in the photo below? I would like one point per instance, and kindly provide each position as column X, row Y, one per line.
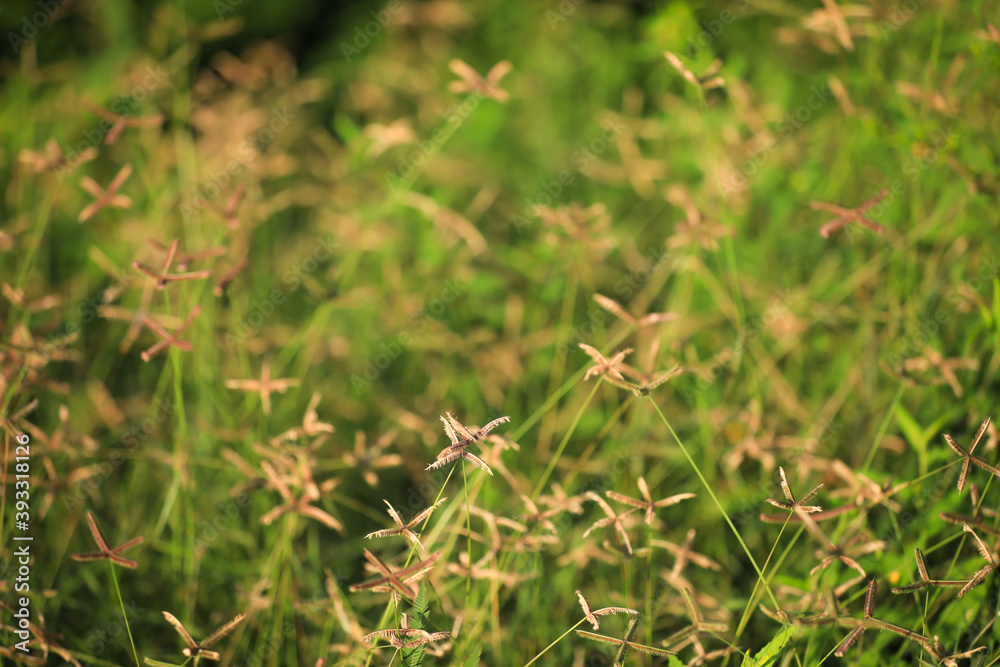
column 454, row 291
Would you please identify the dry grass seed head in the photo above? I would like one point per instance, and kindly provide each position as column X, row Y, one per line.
column 201, row 650
column 107, row 553
column 104, row 198
column 603, row 365
column 925, row 580
column 265, row 386
column 471, row 82
column 969, row 458
column 406, row 528
column 461, row 437
column 611, row 519
column 396, row 582
column 592, row 614
column 793, row 505
column 647, row 504
column 168, row 338
column 625, row 644
column 369, row 460
column 849, row 215
column 302, row 505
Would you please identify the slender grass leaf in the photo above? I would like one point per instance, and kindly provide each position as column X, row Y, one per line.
column 767, row 655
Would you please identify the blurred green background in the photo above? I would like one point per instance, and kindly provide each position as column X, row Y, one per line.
column 410, row 247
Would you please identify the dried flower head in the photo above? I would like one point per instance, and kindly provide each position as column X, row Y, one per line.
column 201, row 650
column 169, row 339
column 970, row 459
column 647, row 504
column 471, row 82
column 592, row 614
column 107, row 553
column 405, row 529
column 603, row 365
column 120, row 121
column 611, row 518
column 793, row 505
column 849, row 215
column 102, row 197
column 265, row 386
column 461, row 438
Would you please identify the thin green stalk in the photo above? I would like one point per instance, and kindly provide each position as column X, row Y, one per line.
column 180, row 453
column 409, row 557
column 559, row 365
column 468, row 531
column 544, row 650
column 284, row 577
column 91, row 659
column 423, row 526
column 649, row 582
column 753, row 595
column 715, row 499
column 584, row 458
column 727, row 242
column 114, row 578
column 508, row 557
column 882, row 429
column 562, row 391
column 562, row 445
column 36, row 240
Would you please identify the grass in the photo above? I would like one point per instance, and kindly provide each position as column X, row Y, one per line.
column 254, row 271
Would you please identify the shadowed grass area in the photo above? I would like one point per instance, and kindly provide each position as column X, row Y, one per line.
column 267, row 269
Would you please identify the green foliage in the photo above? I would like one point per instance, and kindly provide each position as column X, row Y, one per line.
column 473, row 659
column 411, row 249
column 418, row 621
column 767, row 656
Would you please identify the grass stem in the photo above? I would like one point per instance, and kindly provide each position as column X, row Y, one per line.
column 715, row 499
column 128, row 629
column 559, row 639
